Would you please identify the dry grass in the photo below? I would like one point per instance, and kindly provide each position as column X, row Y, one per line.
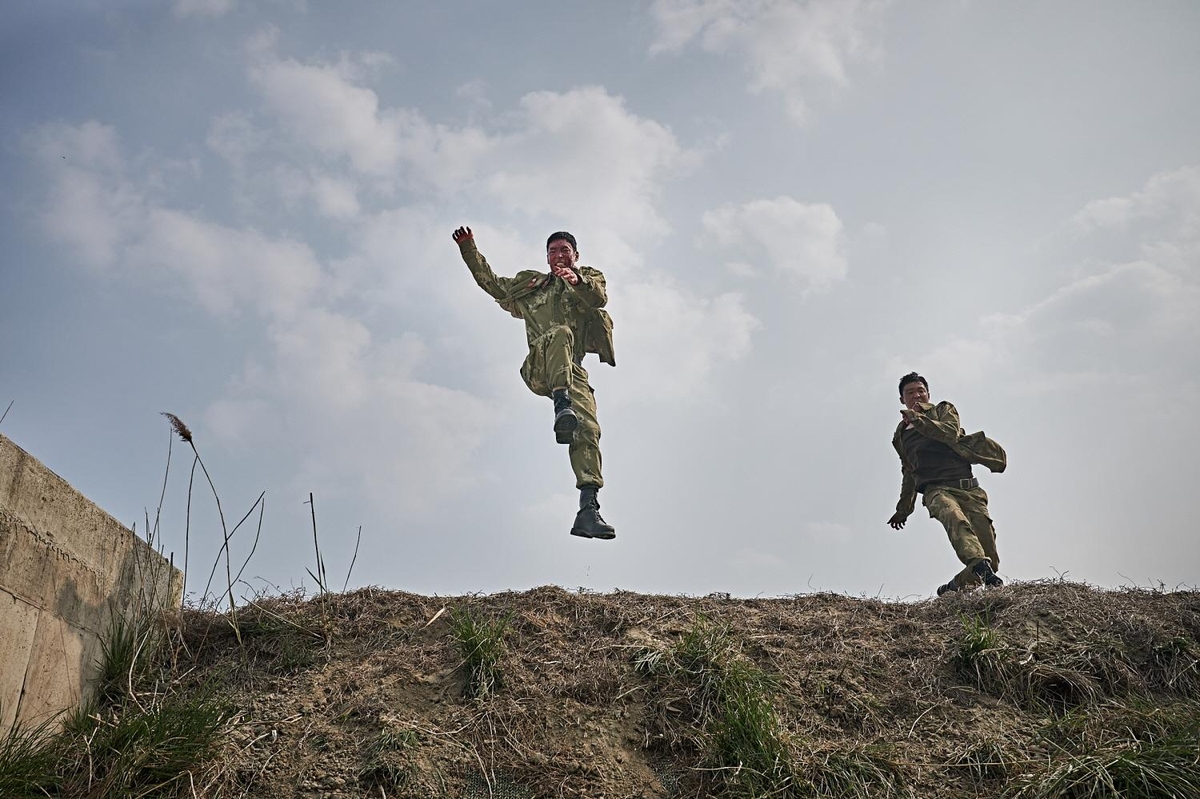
column 1041, row 691
column 1036, row 690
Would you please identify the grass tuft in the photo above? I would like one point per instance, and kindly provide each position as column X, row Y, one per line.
column 385, row 760
column 985, row 762
column 129, row 656
column 865, row 773
column 979, row 656
column 28, row 757
column 1058, row 688
column 1174, row 665
column 128, row 751
column 732, row 704
column 1124, row 770
column 480, row 644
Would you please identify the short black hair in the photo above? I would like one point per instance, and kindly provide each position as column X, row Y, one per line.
column 563, row 235
column 912, row 377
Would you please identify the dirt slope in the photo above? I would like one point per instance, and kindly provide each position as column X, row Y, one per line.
column 987, row 694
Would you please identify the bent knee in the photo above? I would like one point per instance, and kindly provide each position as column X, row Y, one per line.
column 562, row 332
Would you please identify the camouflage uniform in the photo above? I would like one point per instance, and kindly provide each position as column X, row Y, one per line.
column 959, row 503
column 562, row 324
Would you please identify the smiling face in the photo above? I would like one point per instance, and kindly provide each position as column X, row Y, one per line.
column 914, row 393
column 560, row 254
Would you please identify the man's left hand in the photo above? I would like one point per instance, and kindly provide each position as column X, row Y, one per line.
column 566, row 274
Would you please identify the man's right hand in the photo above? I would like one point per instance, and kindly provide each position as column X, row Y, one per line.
column 897, row 521
column 463, row 234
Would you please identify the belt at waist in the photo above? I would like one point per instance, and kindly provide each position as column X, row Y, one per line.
column 970, row 482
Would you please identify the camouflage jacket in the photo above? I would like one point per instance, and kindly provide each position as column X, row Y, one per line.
column 543, row 302
column 940, row 422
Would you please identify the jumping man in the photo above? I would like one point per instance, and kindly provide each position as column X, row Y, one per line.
column 564, row 320
column 935, row 461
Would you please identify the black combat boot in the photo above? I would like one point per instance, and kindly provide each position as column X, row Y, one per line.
column 565, row 420
column 588, row 522
column 948, row 588
column 983, row 570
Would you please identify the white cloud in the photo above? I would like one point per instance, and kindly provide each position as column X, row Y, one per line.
column 329, row 108
column 97, row 209
column 788, row 46
column 321, row 105
column 958, row 361
column 91, row 145
column 225, row 268
column 244, row 147
column 578, row 154
column 582, row 154
column 1141, row 286
column 234, row 137
column 1159, row 224
column 673, row 339
column 91, row 204
column 350, row 407
column 475, row 93
column 335, row 197
column 354, row 417
column 1168, row 196
column 1115, row 319
column 798, row 239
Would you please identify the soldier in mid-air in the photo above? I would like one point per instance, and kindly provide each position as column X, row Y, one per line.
column 564, row 320
column 935, row 461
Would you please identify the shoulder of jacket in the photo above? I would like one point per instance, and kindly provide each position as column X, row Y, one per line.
column 589, row 271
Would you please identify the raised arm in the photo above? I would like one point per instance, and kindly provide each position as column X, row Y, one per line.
column 498, row 287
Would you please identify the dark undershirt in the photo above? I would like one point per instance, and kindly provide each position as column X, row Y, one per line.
column 932, row 461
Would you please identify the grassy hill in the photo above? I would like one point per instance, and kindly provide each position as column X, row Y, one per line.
column 1034, row 690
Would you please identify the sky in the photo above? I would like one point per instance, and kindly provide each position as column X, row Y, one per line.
column 239, row 212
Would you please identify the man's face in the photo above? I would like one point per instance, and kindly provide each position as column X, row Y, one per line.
column 560, row 254
column 914, row 394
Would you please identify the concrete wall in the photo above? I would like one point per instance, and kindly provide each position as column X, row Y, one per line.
column 66, row 569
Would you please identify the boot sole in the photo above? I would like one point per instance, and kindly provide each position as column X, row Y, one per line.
column 564, row 429
column 602, row 536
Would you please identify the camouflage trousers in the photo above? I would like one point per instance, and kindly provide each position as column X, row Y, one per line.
column 551, row 365
column 964, row 514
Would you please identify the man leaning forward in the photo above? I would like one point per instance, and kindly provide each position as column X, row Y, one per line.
column 564, row 320
column 935, row 461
